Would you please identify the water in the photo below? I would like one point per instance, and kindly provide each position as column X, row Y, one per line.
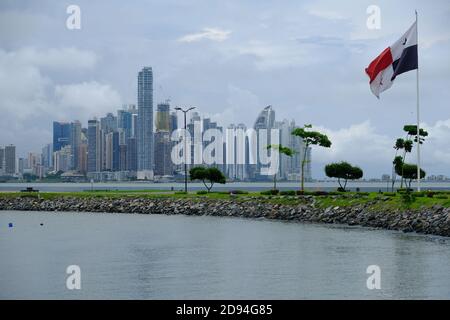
column 250, row 186
column 167, row 257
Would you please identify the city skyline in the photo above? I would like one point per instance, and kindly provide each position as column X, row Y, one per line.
column 307, row 67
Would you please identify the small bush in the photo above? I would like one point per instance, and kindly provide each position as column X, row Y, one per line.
column 288, row 193
column 430, row 194
column 320, row 193
column 180, row 192
column 202, row 192
column 304, row 193
column 441, row 196
column 408, row 197
column 271, row 192
column 403, row 190
column 389, row 194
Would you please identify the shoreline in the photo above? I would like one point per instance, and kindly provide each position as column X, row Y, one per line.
column 434, row 220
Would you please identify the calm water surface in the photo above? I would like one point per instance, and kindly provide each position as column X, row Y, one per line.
column 168, row 257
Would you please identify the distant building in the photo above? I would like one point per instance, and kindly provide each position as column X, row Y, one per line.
column 145, row 124
column 10, row 159
column 109, row 123
column 75, row 142
column 163, row 148
column 173, row 122
column 163, row 117
column 115, row 151
column 132, row 154
column 63, row 159
column 94, row 147
column 125, row 122
column 61, row 135
column 47, row 156
column 2, row 161
column 82, row 158
column 163, row 144
column 266, row 121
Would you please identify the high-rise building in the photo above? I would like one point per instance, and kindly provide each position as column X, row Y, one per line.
column 109, row 123
column 82, row 158
column 2, row 161
column 145, row 124
column 47, row 156
column 173, row 122
column 10, row 159
column 108, row 163
column 75, row 141
column 61, row 135
column 132, row 154
column 94, row 147
column 163, row 144
column 163, row 117
column 21, row 166
column 115, row 151
column 264, row 121
column 63, row 159
column 122, row 157
column 125, row 122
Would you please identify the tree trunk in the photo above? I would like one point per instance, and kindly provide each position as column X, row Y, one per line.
column 275, row 181
column 303, row 168
column 339, row 182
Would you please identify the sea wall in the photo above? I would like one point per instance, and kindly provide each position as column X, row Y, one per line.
column 434, row 220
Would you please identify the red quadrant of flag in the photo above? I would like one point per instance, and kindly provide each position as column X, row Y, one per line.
column 380, row 63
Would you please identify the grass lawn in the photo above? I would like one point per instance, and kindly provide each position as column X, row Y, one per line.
column 377, row 201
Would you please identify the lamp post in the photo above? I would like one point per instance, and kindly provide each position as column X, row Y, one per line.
column 185, row 111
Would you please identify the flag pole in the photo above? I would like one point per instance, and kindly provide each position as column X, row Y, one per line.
column 418, row 113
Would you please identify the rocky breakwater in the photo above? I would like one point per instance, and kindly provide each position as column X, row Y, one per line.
column 434, row 220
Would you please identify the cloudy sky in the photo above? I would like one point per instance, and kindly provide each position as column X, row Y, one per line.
column 230, row 59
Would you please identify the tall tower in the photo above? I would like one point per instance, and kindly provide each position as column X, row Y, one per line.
column 163, row 144
column 75, row 142
column 61, row 135
column 145, row 124
column 94, row 150
column 10, row 159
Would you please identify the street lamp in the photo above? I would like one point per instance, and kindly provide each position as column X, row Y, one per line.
column 185, row 146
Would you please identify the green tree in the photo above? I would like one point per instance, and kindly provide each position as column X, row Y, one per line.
column 343, row 170
column 211, row 175
column 399, row 144
column 407, row 171
column 282, row 150
column 310, row 138
column 411, row 131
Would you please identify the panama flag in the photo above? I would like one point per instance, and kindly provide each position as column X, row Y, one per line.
column 394, row 60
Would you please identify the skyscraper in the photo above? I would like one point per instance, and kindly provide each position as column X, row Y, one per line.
column 94, row 144
column 132, row 154
column 47, row 156
column 2, row 161
column 75, row 141
column 108, row 123
column 124, row 122
column 163, row 144
column 10, row 159
column 173, row 122
column 145, row 124
column 61, row 135
column 264, row 121
column 163, row 117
